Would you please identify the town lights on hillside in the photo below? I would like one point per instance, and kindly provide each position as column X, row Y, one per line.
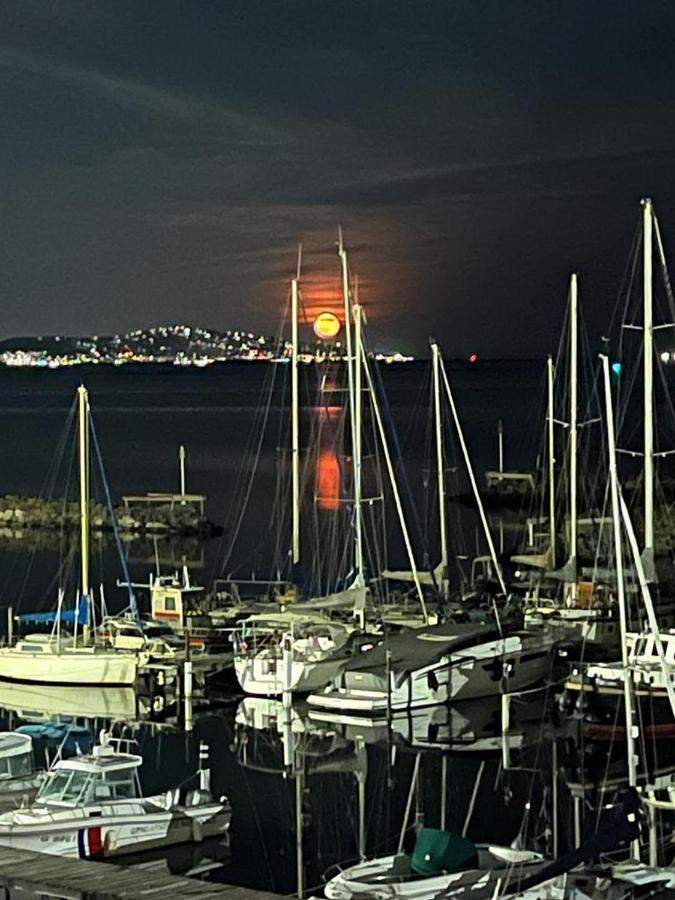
column 326, row 326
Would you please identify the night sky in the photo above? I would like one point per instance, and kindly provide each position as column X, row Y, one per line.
column 160, row 161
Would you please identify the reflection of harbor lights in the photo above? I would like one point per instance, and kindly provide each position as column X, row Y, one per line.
column 326, row 326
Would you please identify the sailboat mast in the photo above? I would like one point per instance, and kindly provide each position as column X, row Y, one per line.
column 621, row 594
column 83, row 408
column 574, row 375
column 551, row 460
column 346, row 296
column 648, row 361
column 440, row 468
column 295, row 426
column 358, row 445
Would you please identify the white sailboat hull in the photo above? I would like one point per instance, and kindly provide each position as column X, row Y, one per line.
column 68, row 668
column 263, row 676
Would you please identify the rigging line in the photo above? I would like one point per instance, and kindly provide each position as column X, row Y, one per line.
column 404, row 474
column 664, row 267
column 243, row 505
column 113, row 519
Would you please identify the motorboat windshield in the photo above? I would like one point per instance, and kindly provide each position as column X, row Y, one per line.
column 74, row 785
column 67, row 787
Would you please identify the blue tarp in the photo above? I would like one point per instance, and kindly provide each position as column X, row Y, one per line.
column 81, row 615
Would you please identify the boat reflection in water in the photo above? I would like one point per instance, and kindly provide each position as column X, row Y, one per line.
column 43, row 703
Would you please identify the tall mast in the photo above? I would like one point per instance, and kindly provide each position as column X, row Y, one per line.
column 346, row 296
column 440, row 469
column 621, row 595
column 295, row 425
column 83, row 406
column 551, row 460
column 648, row 360
column 357, row 443
column 574, row 374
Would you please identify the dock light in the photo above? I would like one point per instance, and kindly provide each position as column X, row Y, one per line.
column 326, row 326
column 665, row 356
column 616, row 368
column 473, row 358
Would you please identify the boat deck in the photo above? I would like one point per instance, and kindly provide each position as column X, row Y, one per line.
column 33, row 874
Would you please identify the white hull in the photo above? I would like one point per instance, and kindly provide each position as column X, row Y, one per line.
column 42, row 702
column 129, row 831
column 80, row 667
column 586, row 626
column 264, row 676
column 375, row 879
column 493, row 668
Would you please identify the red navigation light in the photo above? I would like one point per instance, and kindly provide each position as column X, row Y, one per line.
column 473, row 358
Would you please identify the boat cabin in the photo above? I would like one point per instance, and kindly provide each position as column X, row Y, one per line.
column 16, row 755
column 103, row 777
column 170, row 599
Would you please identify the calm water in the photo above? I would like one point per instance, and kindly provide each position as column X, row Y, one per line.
column 141, row 418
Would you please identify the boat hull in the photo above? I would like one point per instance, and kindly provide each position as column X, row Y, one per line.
column 495, row 667
column 108, row 836
column 264, row 677
column 68, row 668
column 375, row 878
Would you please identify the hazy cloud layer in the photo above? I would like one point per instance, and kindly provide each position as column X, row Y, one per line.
column 161, row 161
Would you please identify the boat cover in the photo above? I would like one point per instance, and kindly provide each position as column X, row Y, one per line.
column 439, row 851
column 419, row 647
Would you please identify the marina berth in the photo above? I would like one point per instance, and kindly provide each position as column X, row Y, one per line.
column 438, row 664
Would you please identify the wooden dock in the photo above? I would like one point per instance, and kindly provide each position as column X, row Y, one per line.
column 30, row 875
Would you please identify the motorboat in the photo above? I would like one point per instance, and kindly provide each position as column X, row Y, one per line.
column 439, row 664
column 440, row 862
column 92, row 807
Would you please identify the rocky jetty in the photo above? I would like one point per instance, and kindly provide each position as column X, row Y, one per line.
column 39, row 513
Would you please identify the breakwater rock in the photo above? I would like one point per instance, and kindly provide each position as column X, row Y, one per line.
column 184, row 518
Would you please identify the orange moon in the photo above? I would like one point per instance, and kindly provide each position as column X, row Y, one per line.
column 326, row 326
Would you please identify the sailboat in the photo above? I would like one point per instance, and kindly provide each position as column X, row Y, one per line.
column 71, row 660
column 319, row 635
column 580, row 612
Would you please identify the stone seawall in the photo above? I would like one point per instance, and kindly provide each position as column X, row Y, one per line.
column 170, row 518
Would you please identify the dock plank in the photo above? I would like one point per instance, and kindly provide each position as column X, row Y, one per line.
column 88, row 880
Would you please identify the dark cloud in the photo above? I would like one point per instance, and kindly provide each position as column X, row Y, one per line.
column 161, row 161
